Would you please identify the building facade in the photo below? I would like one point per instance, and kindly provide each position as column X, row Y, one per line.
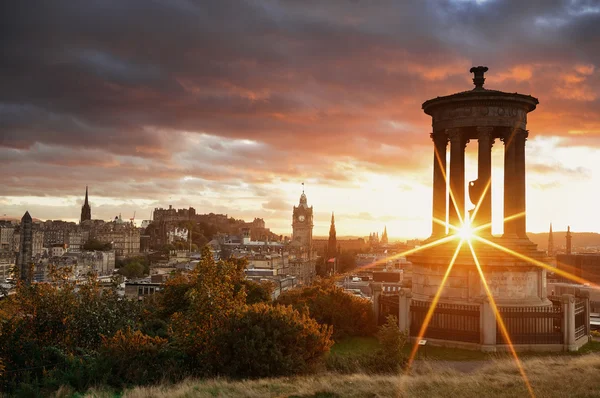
column 124, row 237
column 302, row 223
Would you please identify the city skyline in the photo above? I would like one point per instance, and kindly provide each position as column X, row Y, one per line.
column 148, row 123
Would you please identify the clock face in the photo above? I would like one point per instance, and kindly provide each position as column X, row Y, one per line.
column 301, row 218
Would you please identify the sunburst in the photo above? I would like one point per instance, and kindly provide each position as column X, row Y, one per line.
column 467, row 232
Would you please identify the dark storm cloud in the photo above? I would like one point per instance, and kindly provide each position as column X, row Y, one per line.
column 102, row 83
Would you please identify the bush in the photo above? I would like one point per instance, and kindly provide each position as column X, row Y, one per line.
column 46, row 331
column 267, row 341
column 388, row 359
column 136, row 358
column 257, row 292
column 329, row 304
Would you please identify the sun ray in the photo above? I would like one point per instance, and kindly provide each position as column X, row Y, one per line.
column 446, row 224
column 434, row 302
column 500, row 320
column 452, row 198
column 428, row 245
column 508, row 218
column 533, row 261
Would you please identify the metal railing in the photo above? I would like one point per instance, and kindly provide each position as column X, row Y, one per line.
column 531, row 325
column 456, row 322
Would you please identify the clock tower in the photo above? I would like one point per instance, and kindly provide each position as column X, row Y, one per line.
column 302, row 223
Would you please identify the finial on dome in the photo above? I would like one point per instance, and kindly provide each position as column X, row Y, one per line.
column 478, row 79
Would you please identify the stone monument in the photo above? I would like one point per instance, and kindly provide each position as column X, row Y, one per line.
column 485, row 116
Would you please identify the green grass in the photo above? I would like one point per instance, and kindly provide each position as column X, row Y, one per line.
column 355, row 346
column 552, row 377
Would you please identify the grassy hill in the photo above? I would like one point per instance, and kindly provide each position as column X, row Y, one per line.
column 561, row 376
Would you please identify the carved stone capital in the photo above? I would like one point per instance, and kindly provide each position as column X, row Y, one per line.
column 523, row 134
column 485, row 135
column 484, row 131
column 439, row 138
column 454, row 134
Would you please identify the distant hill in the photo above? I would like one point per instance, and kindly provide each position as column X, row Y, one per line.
column 580, row 239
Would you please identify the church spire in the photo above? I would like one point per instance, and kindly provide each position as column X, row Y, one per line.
column 569, row 237
column 550, row 242
column 332, row 227
column 86, row 210
column 332, row 243
column 384, row 236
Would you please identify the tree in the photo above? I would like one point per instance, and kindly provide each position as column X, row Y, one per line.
column 167, row 248
column 346, row 262
column 320, row 267
column 257, row 292
column 132, row 269
column 212, row 299
column 268, row 341
column 94, row 244
column 329, row 304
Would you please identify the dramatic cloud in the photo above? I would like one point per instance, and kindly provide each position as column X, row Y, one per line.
column 229, row 106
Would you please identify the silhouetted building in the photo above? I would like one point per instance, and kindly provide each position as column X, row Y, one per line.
column 302, row 223
column 25, row 248
column 171, row 214
column 384, row 237
column 86, row 210
column 302, row 255
column 569, row 237
column 332, row 242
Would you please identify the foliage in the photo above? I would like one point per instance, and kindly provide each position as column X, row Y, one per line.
column 329, row 304
column 321, row 267
column 167, row 248
column 266, row 341
column 257, row 292
column 132, row 270
column 389, row 358
column 94, row 244
column 212, row 299
column 392, row 340
column 43, row 319
column 346, row 262
column 207, row 322
column 136, row 358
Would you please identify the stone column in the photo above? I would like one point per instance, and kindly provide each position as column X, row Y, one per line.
column 568, row 304
column 510, row 183
column 520, row 184
column 376, row 291
column 404, row 310
column 457, row 176
column 440, row 141
column 487, row 326
column 484, row 176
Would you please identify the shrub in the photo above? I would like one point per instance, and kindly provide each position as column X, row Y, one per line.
column 212, row 298
column 388, row 359
column 257, row 292
column 329, row 304
column 136, row 358
column 48, row 330
column 266, row 341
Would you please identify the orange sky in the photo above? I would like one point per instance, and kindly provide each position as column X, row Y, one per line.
column 230, row 107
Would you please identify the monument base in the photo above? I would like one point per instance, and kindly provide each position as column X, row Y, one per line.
column 512, row 280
